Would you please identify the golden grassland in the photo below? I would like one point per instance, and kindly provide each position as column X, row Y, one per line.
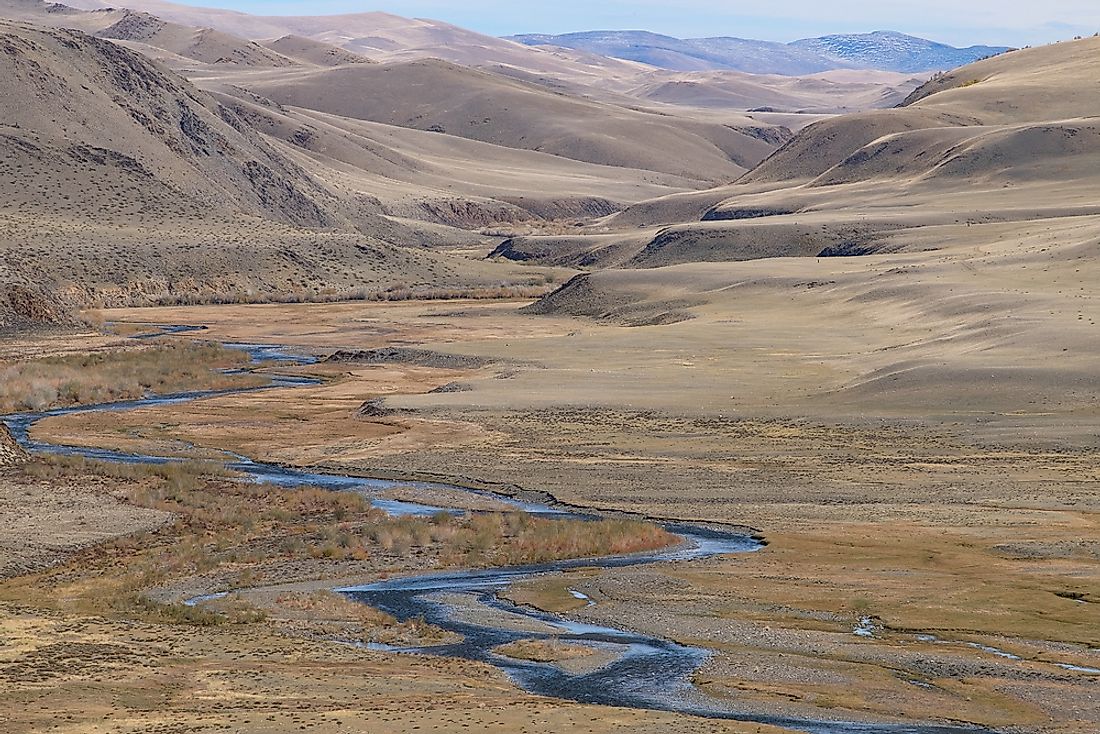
column 105, row 376
column 296, row 425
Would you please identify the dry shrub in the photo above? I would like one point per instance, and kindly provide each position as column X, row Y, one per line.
column 232, row 610
column 535, row 287
column 518, row 538
column 319, row 523
column 176, row 475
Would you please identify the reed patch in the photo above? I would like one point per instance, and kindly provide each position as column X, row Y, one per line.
column 124, row 374
column 246, row 535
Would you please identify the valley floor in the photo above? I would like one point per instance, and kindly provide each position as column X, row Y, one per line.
column 971, row 564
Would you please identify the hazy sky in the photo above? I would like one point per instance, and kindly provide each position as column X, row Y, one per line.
column 961, row 22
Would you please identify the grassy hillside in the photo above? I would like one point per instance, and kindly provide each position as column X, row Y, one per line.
column 1006, row 140
column 442, row 97
column 121, row 182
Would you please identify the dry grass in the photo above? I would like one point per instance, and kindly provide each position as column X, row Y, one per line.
column 535, row 287
column 516, row 538
column 249, row 533
column 550, row 593
column 100, row 323
column 101, row 377
column 230, row 611
column 543, row 651
column 328, row 605
column 362, row 623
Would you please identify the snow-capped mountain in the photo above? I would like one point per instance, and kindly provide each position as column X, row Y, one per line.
column 885, row 50
column 894, row 51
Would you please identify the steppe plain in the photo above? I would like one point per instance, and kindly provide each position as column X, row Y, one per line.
column 877, row 350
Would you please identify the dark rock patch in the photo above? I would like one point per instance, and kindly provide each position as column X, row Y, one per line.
column 408, row 355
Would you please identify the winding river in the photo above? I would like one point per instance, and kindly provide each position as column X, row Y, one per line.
column 640, row 671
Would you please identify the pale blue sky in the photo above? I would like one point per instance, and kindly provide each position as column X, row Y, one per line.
column 961, row 22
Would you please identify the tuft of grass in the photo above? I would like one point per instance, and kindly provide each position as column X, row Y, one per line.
column 134, row 601
column 861, row 604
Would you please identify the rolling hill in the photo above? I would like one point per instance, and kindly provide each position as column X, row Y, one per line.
column 575, row 71
column 387, row 37
column 445, row 98
column 160, row 188
column 893, row 51
column 298, row 168
column 1008, row 140
column 425, row 176
column 308, row 51
column 200, row 44
column 964, row 226
column 180, row 46
column 155, row 191
column 731, row 90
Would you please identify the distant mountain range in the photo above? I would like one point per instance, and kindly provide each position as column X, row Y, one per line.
column 883, row 50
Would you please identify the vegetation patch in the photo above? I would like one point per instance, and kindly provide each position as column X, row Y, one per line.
column 354, row 621
column 247, row 535
column 550, row 594
column 126, row 374
column 536, row 288
column 544, row 651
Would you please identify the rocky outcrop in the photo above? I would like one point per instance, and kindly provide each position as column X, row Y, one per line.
column 26, row 307
column 375, row 408
column 11, row 453
column 408, row 355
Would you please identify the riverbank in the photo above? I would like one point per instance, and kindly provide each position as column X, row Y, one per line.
column 95, row 629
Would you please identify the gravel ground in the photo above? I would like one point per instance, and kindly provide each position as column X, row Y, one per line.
column 45, row 522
